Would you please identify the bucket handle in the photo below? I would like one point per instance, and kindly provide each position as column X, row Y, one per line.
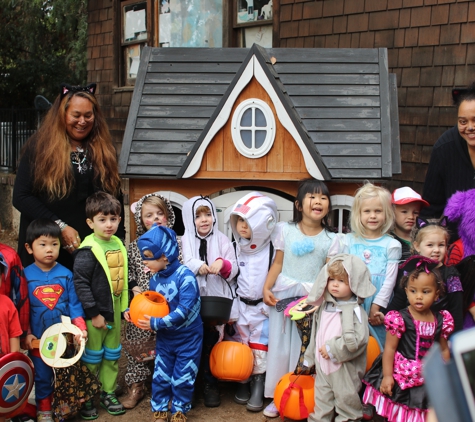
column 233, row 295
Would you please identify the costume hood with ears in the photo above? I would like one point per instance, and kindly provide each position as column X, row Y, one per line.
column 136, row 209
column 460, row 209
column 358, row 275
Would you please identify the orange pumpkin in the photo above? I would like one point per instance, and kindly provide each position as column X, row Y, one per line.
column 294, row 396
column 231, row 361
column 372, row 352
column 148, row 303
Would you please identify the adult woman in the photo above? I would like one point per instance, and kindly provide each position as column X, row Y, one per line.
column 452, row 162
column 70, row 157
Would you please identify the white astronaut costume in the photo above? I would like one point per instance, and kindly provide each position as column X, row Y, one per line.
column 254, row 257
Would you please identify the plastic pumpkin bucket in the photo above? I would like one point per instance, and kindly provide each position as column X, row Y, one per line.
column 231, row 361
column 372, row 352
column 294, row 396
column 148, row 303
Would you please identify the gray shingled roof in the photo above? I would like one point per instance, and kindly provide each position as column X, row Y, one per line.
column 343, row 101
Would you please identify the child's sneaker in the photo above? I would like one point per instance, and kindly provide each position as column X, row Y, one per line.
column 178, row 417
column 88, row 412
column 160, row 417
column 271, row 411
column 44, row 416
column 111, row 404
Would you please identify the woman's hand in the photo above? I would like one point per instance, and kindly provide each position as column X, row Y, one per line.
column 387, row 385
column 269, row 298
column 70, row 239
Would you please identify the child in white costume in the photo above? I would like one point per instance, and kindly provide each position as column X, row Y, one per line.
column 210, row 255
column 253, row 219
column 339, row 338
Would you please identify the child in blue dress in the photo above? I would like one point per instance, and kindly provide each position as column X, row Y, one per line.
column 301, row 249
column 372, row 217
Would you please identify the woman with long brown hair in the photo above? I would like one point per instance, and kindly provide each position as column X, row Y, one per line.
column 69, row 158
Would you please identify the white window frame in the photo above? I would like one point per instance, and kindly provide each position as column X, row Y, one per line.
column 253, row 103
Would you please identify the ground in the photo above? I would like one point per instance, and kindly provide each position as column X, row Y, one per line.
column 229, row 411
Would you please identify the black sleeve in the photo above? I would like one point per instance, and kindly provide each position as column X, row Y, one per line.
column 434, row 187
column 84, row 264
column 399, row 300
column 24, row 199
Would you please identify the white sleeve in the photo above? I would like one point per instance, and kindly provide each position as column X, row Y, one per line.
column 338, row 245
column 189, row 260
column 228, row 253
column 394, row 255
column 278, row 237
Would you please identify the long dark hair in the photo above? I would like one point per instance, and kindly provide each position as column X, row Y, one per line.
column 311, row 186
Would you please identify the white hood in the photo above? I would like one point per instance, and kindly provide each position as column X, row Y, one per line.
column 260, row 213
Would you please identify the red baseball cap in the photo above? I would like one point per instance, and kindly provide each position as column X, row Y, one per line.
column 406, row 195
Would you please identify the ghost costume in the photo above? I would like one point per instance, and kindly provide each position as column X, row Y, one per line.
column 342, row 327
column 254, row 257
column 198, row 250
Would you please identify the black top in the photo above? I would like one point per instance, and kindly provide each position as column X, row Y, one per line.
column 450, row 170
column 70, row 209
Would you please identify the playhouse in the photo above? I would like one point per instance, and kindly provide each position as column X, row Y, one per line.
column 221, row 122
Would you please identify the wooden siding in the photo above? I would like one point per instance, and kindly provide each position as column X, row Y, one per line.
column 340, row 98
column 283, row 162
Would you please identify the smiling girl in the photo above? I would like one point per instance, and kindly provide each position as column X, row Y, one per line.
column 372, row 217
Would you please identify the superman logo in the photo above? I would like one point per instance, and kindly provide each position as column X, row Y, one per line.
column 49, row 295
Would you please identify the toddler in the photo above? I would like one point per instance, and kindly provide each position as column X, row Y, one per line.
column 339, row 338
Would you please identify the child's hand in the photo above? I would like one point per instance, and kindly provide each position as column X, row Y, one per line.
column 204, row 269
column 144, row 324
column 127, row 316
column 323, row 352
column 216, row 266
column 269, row 298
column 28, row 340
column 387, row 385
column 99, row 322
column 375, row 316
column 78, row 337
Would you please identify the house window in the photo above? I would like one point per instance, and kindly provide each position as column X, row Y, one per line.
column 253, row 22
column 135, row 34
column 341, row 209
column 253, row 128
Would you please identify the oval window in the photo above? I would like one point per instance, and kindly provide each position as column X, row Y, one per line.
column 253, row 128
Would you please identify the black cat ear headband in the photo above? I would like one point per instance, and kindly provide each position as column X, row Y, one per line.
column 420, row 222
column 66, row 89
column 417, row 261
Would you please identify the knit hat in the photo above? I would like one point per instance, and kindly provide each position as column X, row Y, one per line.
column 159, row 240
column 406, row 195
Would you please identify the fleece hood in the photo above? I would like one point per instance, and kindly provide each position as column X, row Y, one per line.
column 136, row 208
column 260, row 213
column 358, row 275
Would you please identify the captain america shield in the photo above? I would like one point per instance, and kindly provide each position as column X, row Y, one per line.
column 16, row 382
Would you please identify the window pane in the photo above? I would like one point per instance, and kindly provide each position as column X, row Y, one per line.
column 246, row 119
column 135, row 22
column 260, row 118
column 260, row 138
column 246, row 136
